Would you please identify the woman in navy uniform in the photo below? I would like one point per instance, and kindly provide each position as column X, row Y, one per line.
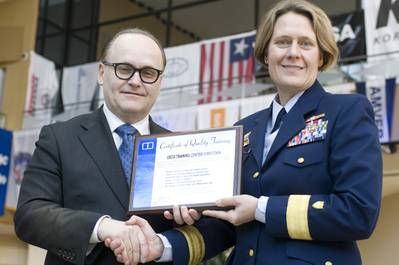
column 312, row 167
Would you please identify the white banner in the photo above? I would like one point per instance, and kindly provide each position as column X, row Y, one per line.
column 182, row 67
column 182, row 119
column 23, row 146
column 79, row 88
column 375, row 92
column 180, row 79
column 42, row 87
column 218, row 115
column 249, row 106
column 384, row 99
column 382, row 28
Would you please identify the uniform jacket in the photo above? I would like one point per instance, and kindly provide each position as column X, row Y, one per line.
column 75, row 177
column 323, row 178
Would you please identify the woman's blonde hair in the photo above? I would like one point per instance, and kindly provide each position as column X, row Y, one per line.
column 321, row 26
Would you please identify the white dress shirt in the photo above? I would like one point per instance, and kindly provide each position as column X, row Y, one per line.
column 260, row 213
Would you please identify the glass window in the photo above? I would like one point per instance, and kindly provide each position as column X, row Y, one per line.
column 54, row 49
column 82, row 13
column 151, row 24
column 86, row 25
column 56, row 12
column 78, row 52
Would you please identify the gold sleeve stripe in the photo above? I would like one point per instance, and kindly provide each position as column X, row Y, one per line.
column 297, row 217
column 195, row 242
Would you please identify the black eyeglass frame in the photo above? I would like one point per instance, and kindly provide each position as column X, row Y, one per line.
column 115, row 65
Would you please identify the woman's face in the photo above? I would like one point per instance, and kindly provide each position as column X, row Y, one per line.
column 293, row 55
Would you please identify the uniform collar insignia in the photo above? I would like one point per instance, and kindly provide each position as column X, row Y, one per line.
column 246, row 138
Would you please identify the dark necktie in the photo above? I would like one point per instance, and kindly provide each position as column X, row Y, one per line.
column 280, row 118
column 126, row 132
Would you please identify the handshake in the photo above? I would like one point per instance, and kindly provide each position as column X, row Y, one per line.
column 134, row 241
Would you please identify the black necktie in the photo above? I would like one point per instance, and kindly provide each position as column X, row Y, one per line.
column 280, row 118
column 126, row 132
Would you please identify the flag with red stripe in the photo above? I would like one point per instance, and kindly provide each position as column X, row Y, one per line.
column 225, row 62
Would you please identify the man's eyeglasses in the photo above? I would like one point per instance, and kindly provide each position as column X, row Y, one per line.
column 125, row 71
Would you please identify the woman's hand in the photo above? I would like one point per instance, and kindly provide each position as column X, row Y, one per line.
column 182, row 215
column 243, row 212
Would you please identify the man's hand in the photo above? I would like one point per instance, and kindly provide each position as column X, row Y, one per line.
column 182, row 215
column 118, row 248
column 154, row 247
column 151, row 246
column 128, row 238
column 243, row 212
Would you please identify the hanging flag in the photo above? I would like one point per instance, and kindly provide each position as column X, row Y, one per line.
column 80, row 91
column 176, row 120
column 224, row 62
column 218, row 114
column 40, row 95
column 5, row 152
column 79, row 84
column 395, row 115
column 182, row 66
column 179, row 85
column 384, row 98
column 96, row 102
column 382, row 28
column 23, row 145
column 350, row 34
column 251, row 105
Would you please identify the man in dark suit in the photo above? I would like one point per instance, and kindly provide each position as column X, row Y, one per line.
column 75, row 191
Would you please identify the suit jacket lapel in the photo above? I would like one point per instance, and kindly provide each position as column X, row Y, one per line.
column 155, row 128
column 295, row 120
column 98, row 141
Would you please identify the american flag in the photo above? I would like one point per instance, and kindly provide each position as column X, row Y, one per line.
column 225, row 62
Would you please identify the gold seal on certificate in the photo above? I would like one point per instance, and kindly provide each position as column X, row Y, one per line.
column 192, row 168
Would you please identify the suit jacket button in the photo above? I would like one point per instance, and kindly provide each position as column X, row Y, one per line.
column 328, row 263
column 255, row 175
column 251, row 252
column 300, row 160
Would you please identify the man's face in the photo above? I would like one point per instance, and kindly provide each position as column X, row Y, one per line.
column 131, row 100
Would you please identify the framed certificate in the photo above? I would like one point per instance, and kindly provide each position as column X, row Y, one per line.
column 192, row 168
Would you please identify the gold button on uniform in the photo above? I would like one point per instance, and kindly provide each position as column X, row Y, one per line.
column 328, row 263
column 251, row 252
column 255, row 175
column 300, row 160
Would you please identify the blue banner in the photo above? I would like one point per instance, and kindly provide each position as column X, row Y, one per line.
column 5, row 153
